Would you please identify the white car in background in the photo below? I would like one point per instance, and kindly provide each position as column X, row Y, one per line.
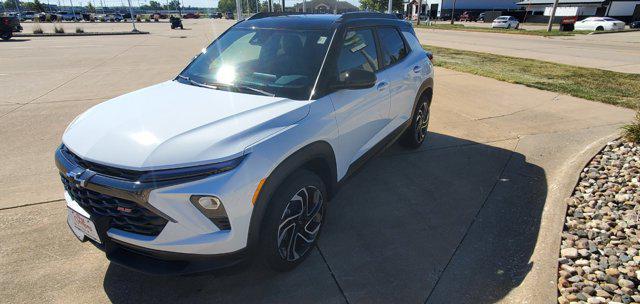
column 507, row 22
column 599, row 24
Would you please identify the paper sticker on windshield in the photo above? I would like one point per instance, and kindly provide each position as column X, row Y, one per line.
column 322, row 40
column 358, row 47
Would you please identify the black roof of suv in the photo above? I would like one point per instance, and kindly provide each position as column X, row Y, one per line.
column 319, row 21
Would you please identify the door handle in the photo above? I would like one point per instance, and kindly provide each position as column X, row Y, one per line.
column 417, row 69
column 381, row 86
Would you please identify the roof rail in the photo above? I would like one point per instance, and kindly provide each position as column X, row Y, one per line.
column 266, row 14
column 362, row 15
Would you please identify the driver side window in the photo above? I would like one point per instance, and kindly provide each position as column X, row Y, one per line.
column 358, row 51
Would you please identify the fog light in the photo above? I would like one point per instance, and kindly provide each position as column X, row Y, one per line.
column 209, row 202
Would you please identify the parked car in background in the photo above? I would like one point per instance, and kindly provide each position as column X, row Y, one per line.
column 8, row 26
column 191, row 16
column 270, row 125
column 176, row 22
column 89, row 17
column 507, row 22
column 467, row 17
column 114, row 18
column 481, row 17
column 69, row 16
column 127, row 16
column 228, row 15
column 635, row 25
column 599, row 24
column 29, row 15
column 217, row 15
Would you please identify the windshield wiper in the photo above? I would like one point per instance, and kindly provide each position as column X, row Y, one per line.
column 217, row 86
column 263, row 92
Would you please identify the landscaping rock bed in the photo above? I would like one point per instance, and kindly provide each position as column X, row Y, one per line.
column 600, row 253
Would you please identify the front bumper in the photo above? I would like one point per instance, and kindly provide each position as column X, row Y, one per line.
column 188, row 241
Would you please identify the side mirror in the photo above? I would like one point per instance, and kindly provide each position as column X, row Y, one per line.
column 355, row 80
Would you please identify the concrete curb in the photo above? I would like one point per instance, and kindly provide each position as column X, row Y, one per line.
column 568, row 178
column 614, row 32
column 81, row 34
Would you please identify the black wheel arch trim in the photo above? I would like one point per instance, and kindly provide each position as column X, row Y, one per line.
column 424, row 87
column 319, row 152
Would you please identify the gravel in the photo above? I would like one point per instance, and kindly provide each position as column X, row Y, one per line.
column 600, row 253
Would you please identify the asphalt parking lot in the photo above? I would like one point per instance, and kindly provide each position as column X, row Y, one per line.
column 473, row 216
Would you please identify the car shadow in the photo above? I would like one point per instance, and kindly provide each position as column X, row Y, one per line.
column 453, row 222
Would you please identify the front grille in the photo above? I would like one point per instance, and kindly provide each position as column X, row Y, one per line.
column 125, row 174
column 125, row 215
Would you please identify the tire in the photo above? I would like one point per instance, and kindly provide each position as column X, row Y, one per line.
column 173, row 26
column 415, row 135
column 600, row 28
column 509, row 26
column 283, row 245
column 517, row 26
column 6, row 36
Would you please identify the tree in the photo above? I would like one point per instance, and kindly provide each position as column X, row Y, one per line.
column 155, row 5
column 91, row 8
column 9, row 5
column 38, row 6
column 227, row 6
column 381, row 5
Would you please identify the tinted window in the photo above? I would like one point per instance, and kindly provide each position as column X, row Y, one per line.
column 358, row 51
column 392, row 46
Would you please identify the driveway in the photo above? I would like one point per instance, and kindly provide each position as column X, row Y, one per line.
column 616, row 51
column 472, row 216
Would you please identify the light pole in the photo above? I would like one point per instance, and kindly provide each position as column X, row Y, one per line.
column 419, row 11
column 389, row 7
column 239, row 9
column 18, row 7
column 73, row 10
column 453, row 10
column 553, row 14
column 304, row 6
column 133, row 19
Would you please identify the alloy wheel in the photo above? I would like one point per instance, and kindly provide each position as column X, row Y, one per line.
column 422, row 123
column 300, row 223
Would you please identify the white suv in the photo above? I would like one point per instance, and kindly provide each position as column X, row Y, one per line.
column 240, row 154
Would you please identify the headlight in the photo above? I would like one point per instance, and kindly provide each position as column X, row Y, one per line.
column 190, row 172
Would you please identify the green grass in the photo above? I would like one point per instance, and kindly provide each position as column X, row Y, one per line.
column 631, row 132
column 615, row 88
column 460, row 27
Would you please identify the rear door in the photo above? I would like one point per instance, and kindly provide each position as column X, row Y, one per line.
column 361, row 114
column 402, row 73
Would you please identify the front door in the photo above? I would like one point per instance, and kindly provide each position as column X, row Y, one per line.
column 361, row 114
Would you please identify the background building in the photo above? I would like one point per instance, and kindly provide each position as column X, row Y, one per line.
column 442, row 8
column 626, row 10
column 326, row 7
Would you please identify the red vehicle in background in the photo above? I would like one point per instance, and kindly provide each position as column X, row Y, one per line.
column 191, row 16
column 467, row 17
column 9, row 25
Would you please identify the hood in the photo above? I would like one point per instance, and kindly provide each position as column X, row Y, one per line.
column 172, row 125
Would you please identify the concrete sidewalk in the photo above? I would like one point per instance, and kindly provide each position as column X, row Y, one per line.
column 475, row 215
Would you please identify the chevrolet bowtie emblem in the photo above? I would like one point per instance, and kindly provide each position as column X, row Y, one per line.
column 80, row 176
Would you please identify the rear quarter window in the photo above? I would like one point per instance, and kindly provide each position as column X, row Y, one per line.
column 412, row 40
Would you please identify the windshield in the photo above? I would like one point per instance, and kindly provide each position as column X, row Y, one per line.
column 274, row 62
